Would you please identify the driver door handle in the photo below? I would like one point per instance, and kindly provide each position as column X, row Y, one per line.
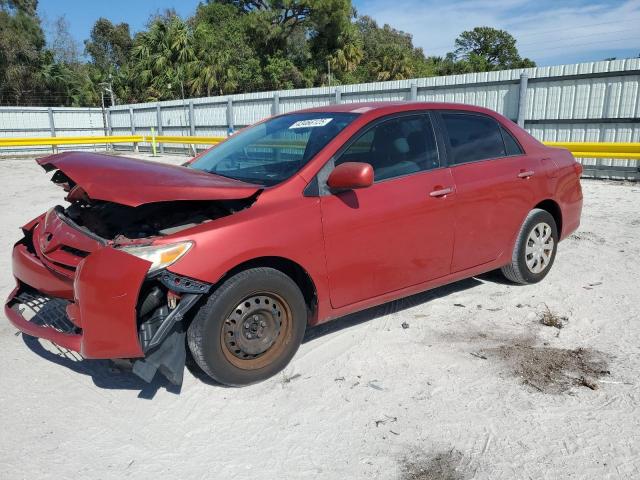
column 441, row 192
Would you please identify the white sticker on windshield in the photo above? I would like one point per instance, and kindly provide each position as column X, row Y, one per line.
column 315, row 122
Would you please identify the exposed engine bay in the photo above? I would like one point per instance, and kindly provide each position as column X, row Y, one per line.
column 120, row 199
column 113, row 221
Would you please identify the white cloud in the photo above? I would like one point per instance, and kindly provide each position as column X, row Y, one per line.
column 544, row 29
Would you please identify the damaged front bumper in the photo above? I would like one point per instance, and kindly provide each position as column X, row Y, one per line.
column 108, row 307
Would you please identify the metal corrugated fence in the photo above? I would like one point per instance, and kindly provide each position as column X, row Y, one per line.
column 587, row 102
column 19, row 122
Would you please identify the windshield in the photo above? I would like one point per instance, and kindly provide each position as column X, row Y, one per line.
column 273, row 151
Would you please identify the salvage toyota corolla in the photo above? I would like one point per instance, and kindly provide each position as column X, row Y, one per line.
column 297, row 220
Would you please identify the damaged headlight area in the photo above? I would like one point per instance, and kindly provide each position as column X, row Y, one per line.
column 160, row 256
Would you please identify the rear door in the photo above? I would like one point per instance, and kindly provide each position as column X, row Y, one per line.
column 398, row 232
column 493, row 188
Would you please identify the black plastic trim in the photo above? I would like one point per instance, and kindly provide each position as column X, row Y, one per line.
column 181, row 284
column 176, row 315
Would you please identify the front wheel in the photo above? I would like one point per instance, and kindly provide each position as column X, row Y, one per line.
column 250, row 327
column 535, row 249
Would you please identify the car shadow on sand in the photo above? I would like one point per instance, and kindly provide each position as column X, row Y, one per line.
column 105, row 374
column 389, row 308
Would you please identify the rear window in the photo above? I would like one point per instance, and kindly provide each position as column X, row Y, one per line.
column 473, row 137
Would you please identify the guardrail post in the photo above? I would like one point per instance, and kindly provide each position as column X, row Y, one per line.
column 159, row 122
column 230, row 126
column 192, row 124
column 338, row 96
column 132, row 123
column 522, row 101
column 109, row 129
column 52, row 127
column 192, row 127
column 153, row 142
column 413, row 96
column 275, row 107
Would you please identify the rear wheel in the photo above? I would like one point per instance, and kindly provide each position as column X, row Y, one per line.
column 535, row 249
column 250, row 327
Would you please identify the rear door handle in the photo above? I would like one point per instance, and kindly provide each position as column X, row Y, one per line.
column 441, row 192
column 527, row 174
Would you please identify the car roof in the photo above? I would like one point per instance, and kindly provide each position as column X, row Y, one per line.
column 379, row 108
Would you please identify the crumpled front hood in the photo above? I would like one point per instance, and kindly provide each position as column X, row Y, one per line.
column 132, row 182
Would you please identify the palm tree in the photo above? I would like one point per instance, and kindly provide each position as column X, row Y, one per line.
column 212, row 68
column 58, row 79
column 347, row 58
column 162, row 55
column 350, row 52
column 392, row 65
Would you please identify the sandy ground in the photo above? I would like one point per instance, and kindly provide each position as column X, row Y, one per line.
column 461, row 382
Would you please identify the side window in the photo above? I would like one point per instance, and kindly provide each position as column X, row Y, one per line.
column 396, row 147
column 473, row 137
column 510, row 143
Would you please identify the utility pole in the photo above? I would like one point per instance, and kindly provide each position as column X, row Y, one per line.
column 104, row 116
column 329, row 71
column 113, row 98
column 108, row 87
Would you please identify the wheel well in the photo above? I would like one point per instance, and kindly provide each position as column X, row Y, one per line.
column 289, row 268
column 554, row 209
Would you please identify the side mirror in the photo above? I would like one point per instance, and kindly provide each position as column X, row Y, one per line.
column 351, row 175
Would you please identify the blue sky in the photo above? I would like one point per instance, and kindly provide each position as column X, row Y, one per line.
column 548, row 31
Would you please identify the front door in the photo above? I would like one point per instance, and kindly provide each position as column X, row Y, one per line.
column 398, row 232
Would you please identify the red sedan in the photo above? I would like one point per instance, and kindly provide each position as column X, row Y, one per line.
column 292, row 222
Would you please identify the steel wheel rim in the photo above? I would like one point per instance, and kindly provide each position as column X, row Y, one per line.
column 539, row 248
column 256, row 331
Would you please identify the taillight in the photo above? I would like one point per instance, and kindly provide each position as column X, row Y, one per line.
column 578, row 168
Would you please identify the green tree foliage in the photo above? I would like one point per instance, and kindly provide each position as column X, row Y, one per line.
column 388, row 54
column 109, row 49
column 21, row 47
column 109, row 45
column 490, row 49
column 227, row 46
column 28, row 7
column 30, row 73
column 161, row 57
column 225, row 60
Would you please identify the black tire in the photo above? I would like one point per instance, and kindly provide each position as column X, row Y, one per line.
column 276, row 303
column 518, row 271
